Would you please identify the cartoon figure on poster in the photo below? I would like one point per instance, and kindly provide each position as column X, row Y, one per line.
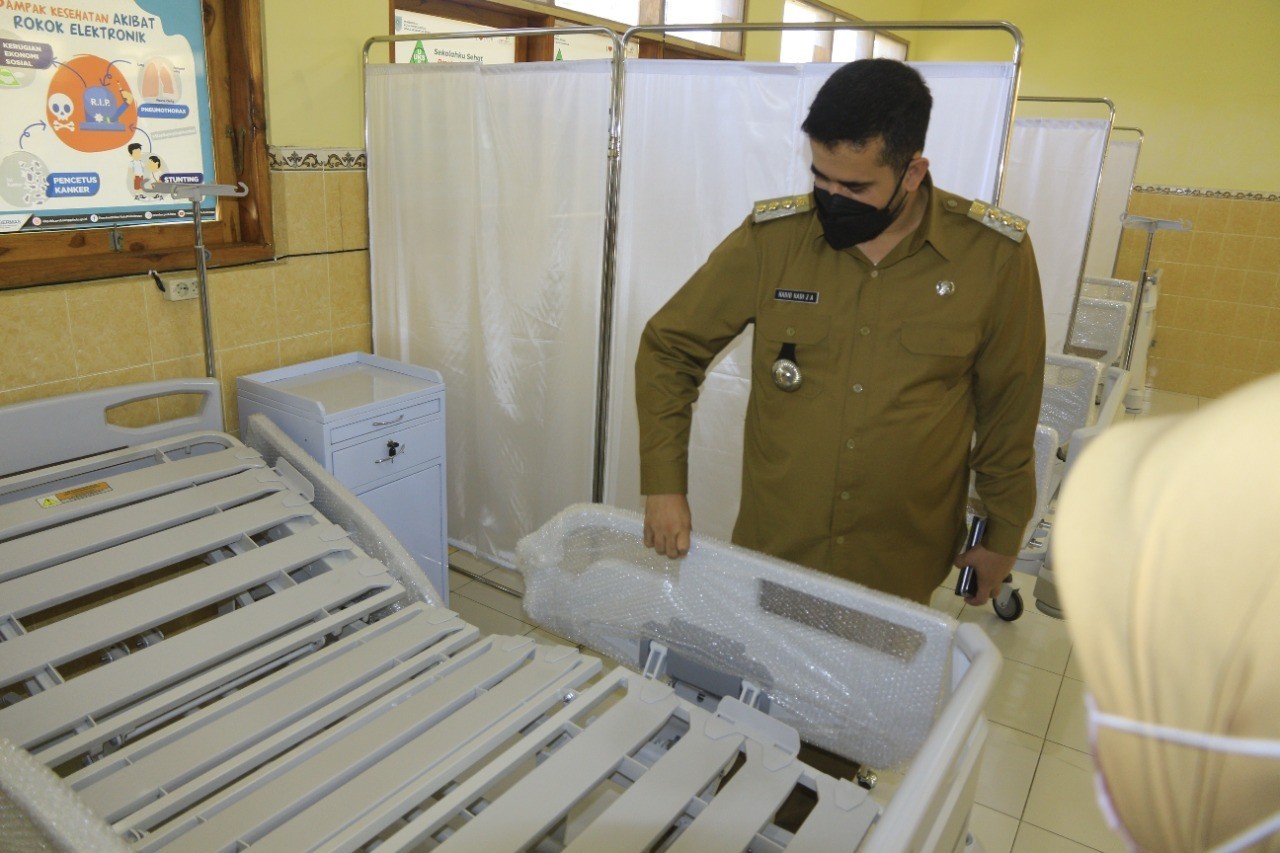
column 95, row 90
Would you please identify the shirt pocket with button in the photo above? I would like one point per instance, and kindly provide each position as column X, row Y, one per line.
column 934, row 361
column 809, row 333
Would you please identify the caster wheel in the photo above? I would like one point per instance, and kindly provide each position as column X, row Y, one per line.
column 1012, row 609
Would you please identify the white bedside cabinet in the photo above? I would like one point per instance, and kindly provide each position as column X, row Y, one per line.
column 378, row 426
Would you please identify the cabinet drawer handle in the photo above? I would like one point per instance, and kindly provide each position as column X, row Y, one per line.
column 389, row 423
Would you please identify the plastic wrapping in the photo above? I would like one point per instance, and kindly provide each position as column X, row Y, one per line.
column 855, row 671
column 336, row 502
column 1117, row 289
column 1102, row 326
column 1070, row 389
column 38, row 811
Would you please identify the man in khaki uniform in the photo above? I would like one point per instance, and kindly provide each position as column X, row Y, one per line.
column 892, row 322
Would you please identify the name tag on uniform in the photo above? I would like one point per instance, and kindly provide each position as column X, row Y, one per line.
column 810, row 296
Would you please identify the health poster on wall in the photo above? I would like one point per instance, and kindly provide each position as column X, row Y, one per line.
column 101, row 102
column 486, row 51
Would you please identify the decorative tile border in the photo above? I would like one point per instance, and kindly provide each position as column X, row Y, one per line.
column 315, row 159
column 1196, row 192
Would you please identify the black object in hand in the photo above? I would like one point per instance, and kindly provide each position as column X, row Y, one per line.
column 967, row 585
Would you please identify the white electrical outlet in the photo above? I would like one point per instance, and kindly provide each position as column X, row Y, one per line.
column 181, row 288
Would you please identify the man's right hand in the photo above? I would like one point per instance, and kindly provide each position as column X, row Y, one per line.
column 667, row 524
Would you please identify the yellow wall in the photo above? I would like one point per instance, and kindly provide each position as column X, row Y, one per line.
column 1202, row 80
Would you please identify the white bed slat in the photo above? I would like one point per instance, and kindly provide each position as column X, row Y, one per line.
column 109, row 687
column 122, row 618
column 741, row 808
column 527, row 810
column 26, row 515
column 249, row 811
column 654, row 801
column 355, row 807
column 222, row 734
column 95, row 533
column 831, row 827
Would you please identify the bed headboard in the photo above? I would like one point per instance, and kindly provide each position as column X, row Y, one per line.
column 55, row 429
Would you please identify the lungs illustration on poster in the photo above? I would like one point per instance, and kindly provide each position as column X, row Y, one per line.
column 101, row 103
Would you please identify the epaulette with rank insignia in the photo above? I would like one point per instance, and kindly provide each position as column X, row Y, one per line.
column 776, row 208
column 1001, row 221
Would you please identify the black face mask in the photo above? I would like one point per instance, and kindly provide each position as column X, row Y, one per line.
column 846, row 222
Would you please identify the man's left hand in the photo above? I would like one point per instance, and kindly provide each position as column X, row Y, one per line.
column 992, row 569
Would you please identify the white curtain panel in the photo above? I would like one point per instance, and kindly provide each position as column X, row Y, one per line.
column 701, row 142
column 486, row 198
column 1051, row 180
column 1113, row 200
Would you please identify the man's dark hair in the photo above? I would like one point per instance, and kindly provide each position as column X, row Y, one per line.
column 135, row 146
column 154, row 159
column 870, row 98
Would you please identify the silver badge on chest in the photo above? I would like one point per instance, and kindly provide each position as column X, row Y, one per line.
column 945, row 288
column 786, row 374
column 786, row 371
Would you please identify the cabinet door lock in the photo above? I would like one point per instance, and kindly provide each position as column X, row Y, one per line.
column 394, row 449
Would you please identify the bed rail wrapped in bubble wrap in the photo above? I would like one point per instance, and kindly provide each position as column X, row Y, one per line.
column 1070, row 390
column 855, row 671
column 1100, row 328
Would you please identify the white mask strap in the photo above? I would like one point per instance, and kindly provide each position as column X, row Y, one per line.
column 1259, row 747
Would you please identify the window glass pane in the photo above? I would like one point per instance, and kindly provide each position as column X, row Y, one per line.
column 705, row 12
column 889, row 48
column 622, row 11
column 852, row 44
column 802, row 46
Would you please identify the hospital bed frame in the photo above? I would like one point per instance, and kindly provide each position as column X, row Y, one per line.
column 192, row 656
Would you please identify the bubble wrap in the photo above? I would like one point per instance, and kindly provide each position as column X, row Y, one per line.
column 855, row 671
column 1116, row 289
column 343, row 508
column 39, row 812
column 1070, row 389
column 1102, row 325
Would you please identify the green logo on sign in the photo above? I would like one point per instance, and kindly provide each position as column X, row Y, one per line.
column 419, row 54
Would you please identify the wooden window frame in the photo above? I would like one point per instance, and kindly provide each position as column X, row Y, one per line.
column 243, row 232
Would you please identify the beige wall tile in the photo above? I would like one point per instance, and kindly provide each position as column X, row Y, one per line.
column 35, row 327
column 349, row 288
column 39, row 392
column 1251, row 321
column 234, row 363
column 302, row 296
column 353, row 199
column 1181, row 279
column 1268, row 360
column 1141, row 204
column 1182, row 207
column 1227, row 284
column 1172, row 246
column 1202, row 380
column 1206, row 248
column 1272, row 332
column 1228, row 379
column 1168, row 310
column 305, row 212
column 1229, row 351
column 142, row 413
column 306, row 348
column 1168, row 374
column 109, row 325
column 1212, row 215
column 175, row 327
column 1265, row 256
column 1219, row 317
column 181, row 405
column 243, row 302
column 279, row 214
column 1269, row 220
column 353, row 339
column 333, row 213
column 1259, row 289
column 1236, row 250
column 1243, row 216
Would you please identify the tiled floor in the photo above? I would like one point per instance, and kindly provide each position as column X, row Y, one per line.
column 1035, row 789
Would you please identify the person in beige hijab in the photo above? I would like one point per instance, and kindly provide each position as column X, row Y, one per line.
column 1167, row 544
